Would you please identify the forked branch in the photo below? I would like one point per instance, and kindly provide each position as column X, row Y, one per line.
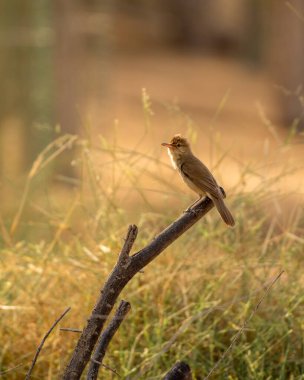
column 125, row 269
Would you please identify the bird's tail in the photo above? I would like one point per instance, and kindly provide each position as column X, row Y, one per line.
column 224, row 212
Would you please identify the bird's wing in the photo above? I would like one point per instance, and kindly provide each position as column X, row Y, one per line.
column 201, row 176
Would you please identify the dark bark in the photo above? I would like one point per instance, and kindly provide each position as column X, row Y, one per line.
column 180, row 371
column 124, row 270
column 105, row 339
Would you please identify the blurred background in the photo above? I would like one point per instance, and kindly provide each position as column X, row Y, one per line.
column 90, row 89
column 233, row 68
column 228, row 75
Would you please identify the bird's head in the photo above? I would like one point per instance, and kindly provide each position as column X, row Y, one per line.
column 178, row 145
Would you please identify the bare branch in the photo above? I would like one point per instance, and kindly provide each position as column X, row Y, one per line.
column 119, row 278
column 180, row 371
column 28, row 375
column 237, row 335
column 130, row 239
column 123, row 309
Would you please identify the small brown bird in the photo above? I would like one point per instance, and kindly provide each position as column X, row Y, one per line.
column 197, row 176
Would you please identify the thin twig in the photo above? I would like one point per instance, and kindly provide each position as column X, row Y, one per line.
column 28, row 375
column 106, row 367
column 68, row 329
column 121, row 312
column 237, row 335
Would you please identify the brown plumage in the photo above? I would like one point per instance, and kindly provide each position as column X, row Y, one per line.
column 196, row 175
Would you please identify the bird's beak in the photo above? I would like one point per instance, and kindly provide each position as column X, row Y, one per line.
column 170, row 146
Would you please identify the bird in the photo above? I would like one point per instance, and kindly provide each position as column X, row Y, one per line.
column 197, row 176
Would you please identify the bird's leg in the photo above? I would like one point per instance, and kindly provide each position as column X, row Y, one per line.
column 190, row 208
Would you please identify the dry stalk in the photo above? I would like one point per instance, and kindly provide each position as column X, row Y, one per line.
column 28, row 375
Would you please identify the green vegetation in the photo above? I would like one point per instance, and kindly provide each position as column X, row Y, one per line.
column 61, row 242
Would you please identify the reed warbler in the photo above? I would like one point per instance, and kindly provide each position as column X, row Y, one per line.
column 197, row 176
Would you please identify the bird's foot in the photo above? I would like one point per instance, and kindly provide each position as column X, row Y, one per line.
column 190, row 210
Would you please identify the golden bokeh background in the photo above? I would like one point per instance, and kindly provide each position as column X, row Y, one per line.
column 227, row 74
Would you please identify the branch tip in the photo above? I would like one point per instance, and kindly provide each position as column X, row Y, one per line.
column 128, row 244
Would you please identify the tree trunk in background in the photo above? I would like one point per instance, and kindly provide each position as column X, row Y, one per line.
column 25, row 72
column 80, row 51
column 80, row 55
column 286, row 50
column 52, row 58
column 68, row 57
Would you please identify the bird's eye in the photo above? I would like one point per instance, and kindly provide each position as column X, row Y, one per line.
column 178, row 145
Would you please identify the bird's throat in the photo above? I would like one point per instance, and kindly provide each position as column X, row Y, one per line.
column 175, row 158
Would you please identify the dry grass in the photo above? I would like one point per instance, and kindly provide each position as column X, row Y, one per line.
column 57, row 249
